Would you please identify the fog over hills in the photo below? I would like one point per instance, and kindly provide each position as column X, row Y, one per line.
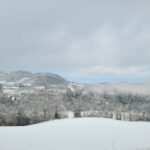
column 135, row 88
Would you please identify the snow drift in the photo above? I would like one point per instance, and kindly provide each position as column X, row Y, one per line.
column 77, row 134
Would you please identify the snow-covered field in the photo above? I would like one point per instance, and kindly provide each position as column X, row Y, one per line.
column 77, row 134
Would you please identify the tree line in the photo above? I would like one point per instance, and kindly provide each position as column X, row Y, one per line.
column 31, row 108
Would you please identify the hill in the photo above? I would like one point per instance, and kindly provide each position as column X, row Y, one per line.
column 45, row 79
column 37, row 79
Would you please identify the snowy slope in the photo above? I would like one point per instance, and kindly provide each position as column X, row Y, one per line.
column 77, row 134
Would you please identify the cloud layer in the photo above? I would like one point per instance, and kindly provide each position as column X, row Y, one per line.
column 82, row 38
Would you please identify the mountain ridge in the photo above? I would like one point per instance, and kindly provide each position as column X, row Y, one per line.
column 35, row 79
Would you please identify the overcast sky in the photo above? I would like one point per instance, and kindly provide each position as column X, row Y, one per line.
column 82, row 40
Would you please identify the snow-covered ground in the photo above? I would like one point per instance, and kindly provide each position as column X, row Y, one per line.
column 77, row 134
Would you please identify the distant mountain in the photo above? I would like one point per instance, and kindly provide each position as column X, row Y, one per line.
column 37, row 79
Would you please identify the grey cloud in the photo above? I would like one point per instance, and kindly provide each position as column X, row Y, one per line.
column 75, row 34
